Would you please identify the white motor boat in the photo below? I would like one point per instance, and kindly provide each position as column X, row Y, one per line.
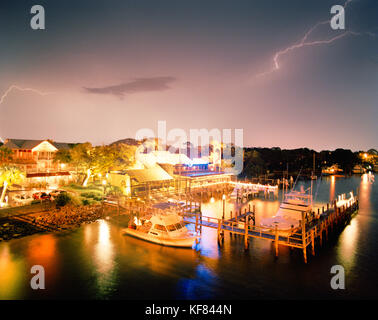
column 166, row 229
column 343, row 201
column 289, row 214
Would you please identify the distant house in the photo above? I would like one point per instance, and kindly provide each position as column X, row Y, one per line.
column 36, row 158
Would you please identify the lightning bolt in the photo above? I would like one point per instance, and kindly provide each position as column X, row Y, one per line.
column 304, row 42
column 15, row 87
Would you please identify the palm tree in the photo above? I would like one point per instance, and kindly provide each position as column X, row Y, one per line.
column 8, row 176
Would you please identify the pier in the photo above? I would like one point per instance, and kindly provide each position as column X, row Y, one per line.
column 318, row 227
column 314, row 228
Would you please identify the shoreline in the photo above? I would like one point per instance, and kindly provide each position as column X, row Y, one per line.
column 56, row 220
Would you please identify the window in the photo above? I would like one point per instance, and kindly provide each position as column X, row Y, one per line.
column 178, row 226
column 171, row 227
column 160, row 227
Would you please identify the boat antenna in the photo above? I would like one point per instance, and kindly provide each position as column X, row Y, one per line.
column 317, row 186
column 296, row 179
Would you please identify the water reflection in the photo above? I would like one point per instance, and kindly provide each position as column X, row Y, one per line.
column 332, row 195
column 42, row 251
column 364, row 193
column 106, row 264
column 11, row 274
column 104, row 260
column 348, row 244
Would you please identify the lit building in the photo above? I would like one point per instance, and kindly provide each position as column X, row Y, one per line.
column 332, row 170
column 36, row 158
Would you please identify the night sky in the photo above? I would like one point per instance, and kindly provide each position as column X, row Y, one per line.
column 113, row 67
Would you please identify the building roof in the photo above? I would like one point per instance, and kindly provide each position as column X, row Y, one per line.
column 166, row 157
column 148, row 175
column 31, row 144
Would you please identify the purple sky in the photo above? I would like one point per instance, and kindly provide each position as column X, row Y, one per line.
column 113, row 68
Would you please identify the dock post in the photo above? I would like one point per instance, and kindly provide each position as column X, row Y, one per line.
column 218, row 232
column 246, row 233
column 326, row 227
column 232, row 224
column 321, row 233
column 304, row 237
column 313, row 242
column 222, row 231
column 276, row 240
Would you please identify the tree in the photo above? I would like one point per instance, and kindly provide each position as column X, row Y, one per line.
column 124, row 156
column 99, row 160
column 5, row 155
column 63, row 156
column 8, row 176
column 82, row 158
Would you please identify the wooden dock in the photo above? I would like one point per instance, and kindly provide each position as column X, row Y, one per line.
column 306, row 235
column 314, row 226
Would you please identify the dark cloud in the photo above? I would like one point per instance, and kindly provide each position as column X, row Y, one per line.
column 137, row 85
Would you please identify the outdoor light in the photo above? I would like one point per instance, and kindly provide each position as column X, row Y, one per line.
column 224, row 197
column 212, row 200
column 104, row 182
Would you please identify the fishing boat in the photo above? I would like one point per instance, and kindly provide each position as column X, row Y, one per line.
column 289, row 215
column 167, row 229
column 343, row 201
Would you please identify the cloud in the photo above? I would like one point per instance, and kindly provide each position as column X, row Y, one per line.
column 135, row 86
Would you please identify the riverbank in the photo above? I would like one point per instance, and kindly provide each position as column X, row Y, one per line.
column 65, row 218
column 13, row 229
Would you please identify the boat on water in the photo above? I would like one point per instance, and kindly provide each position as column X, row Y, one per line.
column 343, row 201
column 289, row 215
column 166, row 229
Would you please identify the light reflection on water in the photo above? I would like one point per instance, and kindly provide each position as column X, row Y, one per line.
column 97, row 261
column 11, row 274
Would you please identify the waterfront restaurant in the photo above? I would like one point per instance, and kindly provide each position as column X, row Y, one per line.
column 161, row 172
column 36, row 159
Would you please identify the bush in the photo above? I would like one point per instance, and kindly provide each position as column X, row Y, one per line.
column 85, row 202
column 62, row 182
column 62, row 199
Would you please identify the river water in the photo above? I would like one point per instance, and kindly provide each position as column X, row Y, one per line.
column 96, row 261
